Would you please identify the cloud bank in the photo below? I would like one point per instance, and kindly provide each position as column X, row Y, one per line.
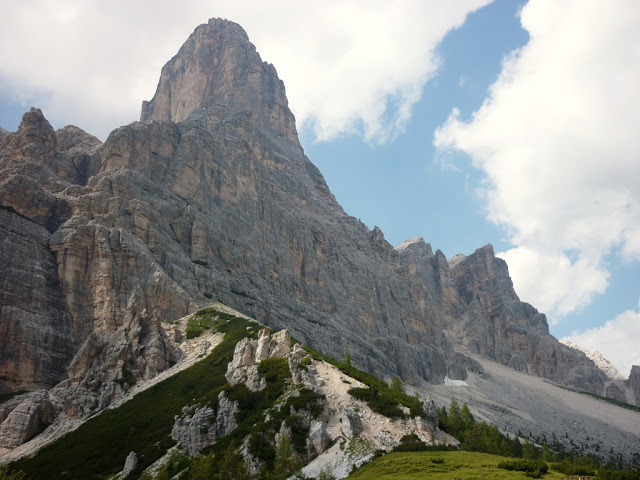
column 349, row 66
column 557, row 141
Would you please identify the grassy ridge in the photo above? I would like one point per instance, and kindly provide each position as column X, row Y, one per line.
column 100, row 446
column 440, row 466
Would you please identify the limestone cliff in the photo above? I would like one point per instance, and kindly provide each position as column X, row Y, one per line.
column 634, row 383
column 211, row 196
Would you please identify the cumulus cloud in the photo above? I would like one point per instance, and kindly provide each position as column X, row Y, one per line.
column 617, row 340
column 557, row 141
column 349, row 66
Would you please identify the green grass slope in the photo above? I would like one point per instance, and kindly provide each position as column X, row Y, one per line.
column 440, row 466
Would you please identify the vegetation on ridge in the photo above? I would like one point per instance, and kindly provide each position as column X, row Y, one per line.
column 205, row 319
column 381, row 398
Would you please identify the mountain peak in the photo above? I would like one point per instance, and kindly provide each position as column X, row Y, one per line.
column 219, row 71
column 601, row 362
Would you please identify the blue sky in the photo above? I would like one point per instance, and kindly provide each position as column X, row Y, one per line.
column 464, row 122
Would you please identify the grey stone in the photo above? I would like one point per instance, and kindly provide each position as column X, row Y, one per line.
column 430, row 413
column 318, row 440
column 634, row 382
column 226, row 417
column 280, row 344
column 352, row 424
column 253, row 464
column 130, row 465
column 262, row 350
column 195, row 431
column 27, row 419
column 199, row 427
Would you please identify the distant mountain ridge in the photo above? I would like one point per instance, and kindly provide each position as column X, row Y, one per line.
column 210, row 196
column 602, row 363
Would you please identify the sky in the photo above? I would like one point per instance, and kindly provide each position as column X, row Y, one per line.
column 470, row 122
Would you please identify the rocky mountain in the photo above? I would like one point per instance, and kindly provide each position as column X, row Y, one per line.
column 602, row 363
column 210, row 196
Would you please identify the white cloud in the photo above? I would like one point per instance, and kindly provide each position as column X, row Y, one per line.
column 617, row 340
column 349, row 66
column 557, row 141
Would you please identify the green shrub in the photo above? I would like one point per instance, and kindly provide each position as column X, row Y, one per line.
column 523, row 465
column 379, row 396
column 571, row 469
column 381, row 402
column 412, row 437
column 261, row 448
column 8, row 396
column 8, row 474
column 274, row 369
column 418, row 446
column 177, row 463
column 308, row 400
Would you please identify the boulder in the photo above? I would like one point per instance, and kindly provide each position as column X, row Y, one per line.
column 29, row 418
column 280, row 344
column 195, row 431
column 130, row 465
column 226, row 417
column 318, row 440
column 352, row 424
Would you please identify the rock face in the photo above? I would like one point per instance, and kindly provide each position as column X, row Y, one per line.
column 318, row 440
column 211, row 196
column 351, row 424
column 634, row 383
column 194, row 432
column 602, row 363
column 199, row 427
column 30, row 416
column 243, row 368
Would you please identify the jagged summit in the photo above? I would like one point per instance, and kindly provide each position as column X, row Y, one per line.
column 219, row 70
column 603, row 364
column 413, row 243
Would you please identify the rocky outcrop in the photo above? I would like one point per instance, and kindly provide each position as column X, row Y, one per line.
column 430, row 413
column 199, row 427
column 195, row 431
column 226, row 416
column 351, row 424
column 130, row 465
column 248, row 353
column 33, row 413
column 634, row 383
column 602, row 363
column 318, row 440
